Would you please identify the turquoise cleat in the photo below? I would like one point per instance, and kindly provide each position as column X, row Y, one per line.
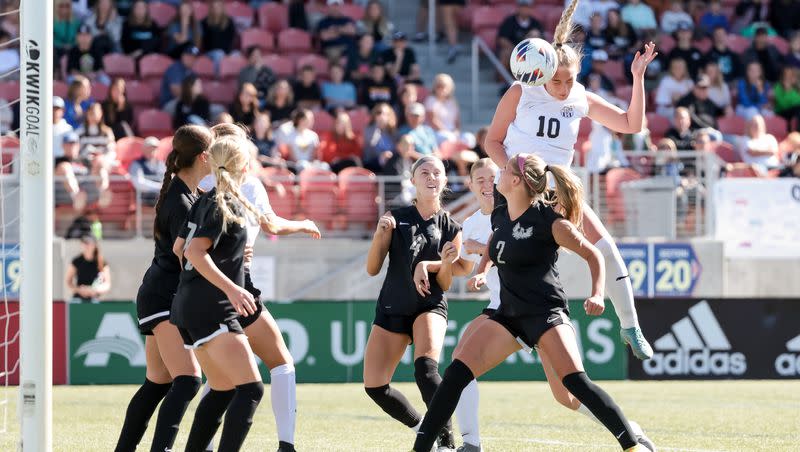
column 639, row 345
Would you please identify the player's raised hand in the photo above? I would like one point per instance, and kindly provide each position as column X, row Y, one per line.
column 475, row 283
column 386, row 223
column 449, row 253
column 310, row 228
column 242, row 300
column 594, row 305
column 641, row 60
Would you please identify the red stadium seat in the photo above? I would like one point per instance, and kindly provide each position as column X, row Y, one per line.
column 9, row 149
column 256, row 37
column 241, row 13
column 59, row 89
column 487, row 18
column 449, row 149
column 624, row 92
column 123, row 205
column 318, row 62
column 282, row 66
column 119, row 65
column 658, row 125
column 99, row 91
column 781, row 44
column 153, row 66
column 284, row 204
column 703, row 45
column 323, row 121
column 489, row 36
column 585, row 127
column 164, row 148
column 221, row 93
column 741, row 170
column 550, row 18
column 162, row 13
column 358, row 191
column 318, row 195
column 732, row 125
column 665, row 44
column 204, row 68
column 128, row 150
column 727, row 153
column 140, row 94
column 9, row 90
column 738, row 43
column 465, row 16
column 359, row 118
column 231, row 66
column 615, row 70
column 273, row 17
column 614, row 179
column 293, row 41
column 154, row 122
column 200, row 9
column 353, row 11
column 777, row 126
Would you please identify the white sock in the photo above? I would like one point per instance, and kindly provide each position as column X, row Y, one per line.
column 416, row 427
column 585, row 411
column 467, row 414
column 619, row 290
column 284, row 400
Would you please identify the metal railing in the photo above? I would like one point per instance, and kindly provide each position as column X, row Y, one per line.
column 479, row 46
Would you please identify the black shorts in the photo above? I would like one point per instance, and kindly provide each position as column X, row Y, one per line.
column 195, row 337
column 529, row 329
column 404, row 324
column 154, row 299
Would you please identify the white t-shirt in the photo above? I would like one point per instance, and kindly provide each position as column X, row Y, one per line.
column 546, row 126
column 671, row 19
column 669, row 88
column 446, row 111
column 766, row 162
column 254, row 191
column 60, row 129
column 303, row 144
column 479, row 227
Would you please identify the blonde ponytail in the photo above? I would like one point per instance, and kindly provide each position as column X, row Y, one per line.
column 569, row 55
column 229, row 157
column 568, row 192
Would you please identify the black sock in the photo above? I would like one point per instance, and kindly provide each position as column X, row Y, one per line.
column 140, row 409
column 239, row 417
column 456, row 378
column 426, row 373
column 207, row 419
column 395, row 404
column 602, row 406
column 183, row 390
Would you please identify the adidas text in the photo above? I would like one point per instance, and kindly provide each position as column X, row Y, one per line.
column 788, row 364
column 702, row 362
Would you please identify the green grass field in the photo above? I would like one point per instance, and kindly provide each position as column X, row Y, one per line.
column 678, row 416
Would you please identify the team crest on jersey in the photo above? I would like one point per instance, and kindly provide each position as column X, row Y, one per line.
column 434, row 232
column 521, row 233
column 567, row 111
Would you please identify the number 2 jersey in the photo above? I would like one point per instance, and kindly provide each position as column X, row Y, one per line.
column 414, row 240
column 546, row 126
column 525, row 254
column 197, row 301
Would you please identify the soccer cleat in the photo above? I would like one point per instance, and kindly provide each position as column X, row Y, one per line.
column 641, row 437
column 283, row 446
column 467, row 447
column 639, row 346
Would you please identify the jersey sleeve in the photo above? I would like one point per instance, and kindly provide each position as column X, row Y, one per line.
column 183, row 232
column 209, row 223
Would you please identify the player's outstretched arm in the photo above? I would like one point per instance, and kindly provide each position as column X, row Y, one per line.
column 568, row 236
column 275, row 225
column 503, row 117
column 380, row 243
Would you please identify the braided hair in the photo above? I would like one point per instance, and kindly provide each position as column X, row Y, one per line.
column 229, row 156
column 188, row 142
column 569, row 54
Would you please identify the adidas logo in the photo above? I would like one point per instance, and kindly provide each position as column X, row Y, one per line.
column 696, row 345
column 788, row 364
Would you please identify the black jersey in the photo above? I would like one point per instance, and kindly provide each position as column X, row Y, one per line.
column 198, row 302
column 525, row 254
column 171, row 218
column 414, row 240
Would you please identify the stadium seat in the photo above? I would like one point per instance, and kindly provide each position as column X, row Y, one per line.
column 741, row 170
column 781, row 44
column 273, row 17
column 732, row 125
column 204, row 68
column 615, row 70
column 318, row 195
column 358, row 190
column 9, row 149
column 99, row 91
column 231, row 66
column 353, row 11
column 487, row 18
column 120, row 213
column 256, row 37
column 777, row 126
column 293, row 41
column 359, row 118
column 154, row 122
column 241, row 13
column 614, row 179
column 550, row 18
column 585, row 127
column 218, row 92
column 9, row 90
column 153, row 66
column 665, row 44
column 284, row 204
column 318, row 62
column 323, row 121
column 200, row 9
column 703, row 45
column 140, row 94
column 128, row 150
column 282, row 66
column 164, row 148
column 465, row 16
column 162, row 13
column 624, row 92
column 119, row 65
column 489, row 36
column 658, row 125
column 738, row 43
column 59, row 89
column 727, row 153
column 448, row 149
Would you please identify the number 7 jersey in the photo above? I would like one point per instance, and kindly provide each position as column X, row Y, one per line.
column 546, row 126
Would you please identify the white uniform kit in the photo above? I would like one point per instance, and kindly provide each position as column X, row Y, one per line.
column 479, row 227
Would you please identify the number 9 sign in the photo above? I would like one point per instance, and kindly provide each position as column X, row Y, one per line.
column 636, row 257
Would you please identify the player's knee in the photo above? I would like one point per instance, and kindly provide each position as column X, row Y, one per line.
column 426, row 370
column 253, row 391
column 187, row 385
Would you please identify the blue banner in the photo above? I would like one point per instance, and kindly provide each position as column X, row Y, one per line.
column 676, row 269
column 637, row 259
column 10, row 269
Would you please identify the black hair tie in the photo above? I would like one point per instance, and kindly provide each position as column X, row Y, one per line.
column 546, row 168
column 222, row 168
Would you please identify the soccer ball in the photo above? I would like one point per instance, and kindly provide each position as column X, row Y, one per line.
column 534, row 61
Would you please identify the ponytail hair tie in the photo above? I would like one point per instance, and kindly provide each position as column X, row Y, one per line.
column 546, row 168
column 222, row 168
column 558, row 45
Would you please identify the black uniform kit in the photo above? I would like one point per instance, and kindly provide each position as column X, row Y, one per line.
column 525, row 253
column 201, row 310
column 154, row 299
column 414, row 239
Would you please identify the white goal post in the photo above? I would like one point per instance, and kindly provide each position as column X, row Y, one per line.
column 36, row 227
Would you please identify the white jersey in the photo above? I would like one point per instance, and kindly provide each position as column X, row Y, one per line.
column 254, row 191
column 479, row 227
column 546, row 126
